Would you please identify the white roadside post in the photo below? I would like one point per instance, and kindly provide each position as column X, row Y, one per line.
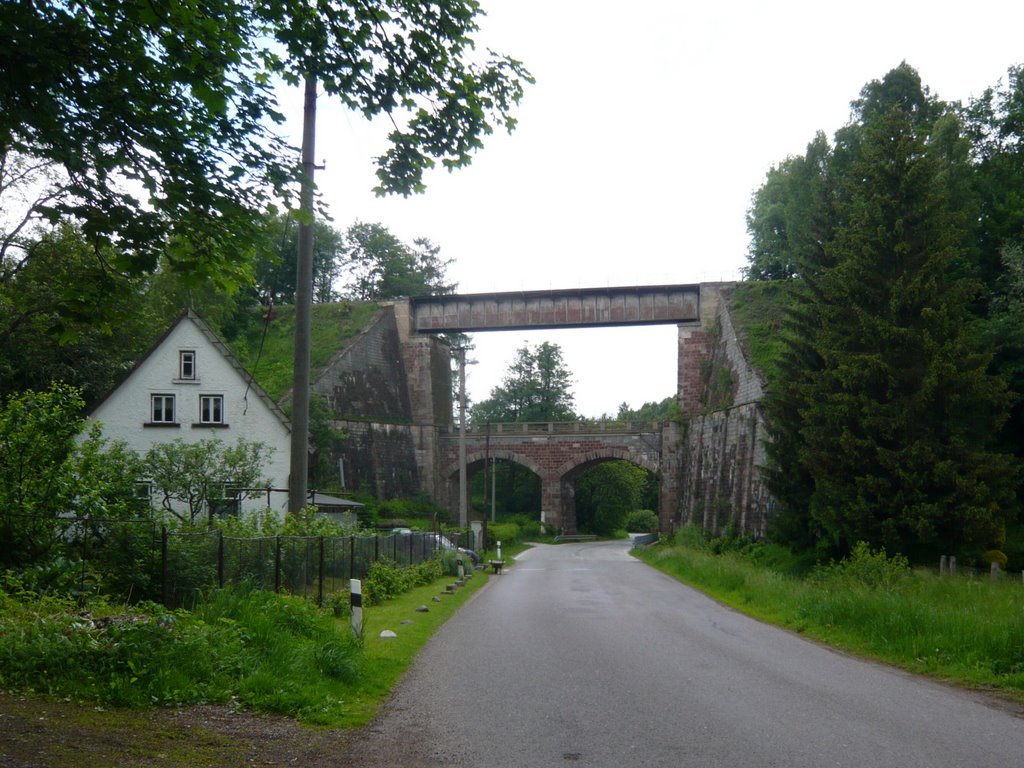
column 462, row 570
column 356, row 602
column 499, row 550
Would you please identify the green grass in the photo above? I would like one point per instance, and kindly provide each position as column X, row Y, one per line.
column 757, row 311
column 961, row 629
column 332, row 326
column 387, row 659
column 258, row 650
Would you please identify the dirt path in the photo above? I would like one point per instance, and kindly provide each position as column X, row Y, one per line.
column 37, row 732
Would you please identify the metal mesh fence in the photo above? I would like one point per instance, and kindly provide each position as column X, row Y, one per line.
column 137, row 560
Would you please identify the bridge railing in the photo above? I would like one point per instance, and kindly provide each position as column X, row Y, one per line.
column 588, row 427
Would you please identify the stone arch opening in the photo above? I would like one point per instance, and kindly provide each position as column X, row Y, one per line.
column 513, row 468
column 599, row 492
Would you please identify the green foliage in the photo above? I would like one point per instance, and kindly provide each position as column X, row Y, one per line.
column 606, row 493
column 665, row 410
column 387, row 580
column 883, row 412
column 864, row 568
column 230, row 648
column 37, row 439
column 506, row 533
column 379, row 266
column 275, row 260
column 181, row 102
column 198, row 475
column 962, row 629
column 267, row 346
column 990, row 556
column 642, row 521
column 66, row 315
column 537, row 387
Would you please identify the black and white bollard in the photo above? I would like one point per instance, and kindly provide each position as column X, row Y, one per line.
column 356, row 602
column 462, row 570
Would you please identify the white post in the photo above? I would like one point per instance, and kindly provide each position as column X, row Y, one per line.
column 356, row 601
column 462, row 570
column 499, row 550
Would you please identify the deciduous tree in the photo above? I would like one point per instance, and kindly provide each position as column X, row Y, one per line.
column 164, row 120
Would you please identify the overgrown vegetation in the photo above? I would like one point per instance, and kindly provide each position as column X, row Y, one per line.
column 961, row 628
column 251, row 648
column 894, row 369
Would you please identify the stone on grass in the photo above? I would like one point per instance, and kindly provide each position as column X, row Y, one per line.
column 387, row 633
column 422, row 609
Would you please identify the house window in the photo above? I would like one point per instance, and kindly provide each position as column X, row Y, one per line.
column 229, row 504
column 187, row 364
column 163, row 409
column 211, row 409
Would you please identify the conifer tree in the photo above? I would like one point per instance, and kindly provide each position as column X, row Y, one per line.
column 886, row 405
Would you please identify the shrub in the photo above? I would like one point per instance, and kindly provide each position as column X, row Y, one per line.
column 387, row 580
column 994, row 556
column 642, row 521
column 506, row 533
column 865, row 568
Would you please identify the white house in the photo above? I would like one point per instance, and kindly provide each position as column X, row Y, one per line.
column 190, row 386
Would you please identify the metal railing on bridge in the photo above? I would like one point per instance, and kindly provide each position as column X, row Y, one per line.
column 556, row 428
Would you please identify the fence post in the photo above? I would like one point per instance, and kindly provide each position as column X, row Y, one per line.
column 356, row 602
column 220, row 559
column 943, row 565
column 277, row 563
column 163, row 564
column 952, row 565
column 320, row 595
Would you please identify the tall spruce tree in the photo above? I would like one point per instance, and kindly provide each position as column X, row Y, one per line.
column 886, row 406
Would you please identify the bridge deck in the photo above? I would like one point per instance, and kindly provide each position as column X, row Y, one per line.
column 582, row 307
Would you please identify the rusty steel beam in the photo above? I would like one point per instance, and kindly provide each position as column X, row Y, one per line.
column 573, row 308
column 586, row 307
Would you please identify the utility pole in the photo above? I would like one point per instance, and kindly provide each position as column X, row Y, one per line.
column 297, row 483
column 463, row 511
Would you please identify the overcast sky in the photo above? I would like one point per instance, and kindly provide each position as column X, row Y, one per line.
column 638, row 148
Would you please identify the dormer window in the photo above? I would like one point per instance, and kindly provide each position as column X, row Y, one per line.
column 187, row 365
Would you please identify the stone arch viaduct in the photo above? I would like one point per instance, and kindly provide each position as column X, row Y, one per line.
column 558, row 453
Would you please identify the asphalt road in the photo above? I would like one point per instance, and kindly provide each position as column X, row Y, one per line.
column 582, row 655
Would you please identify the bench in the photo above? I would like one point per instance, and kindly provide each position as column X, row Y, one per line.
column 497, row 565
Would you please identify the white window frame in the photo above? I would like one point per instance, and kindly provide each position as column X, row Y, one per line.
column 211, row 409
column 160, row 415
column 187, row 364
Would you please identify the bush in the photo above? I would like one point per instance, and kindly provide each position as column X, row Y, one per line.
column 642, row 521
column 865, row 568
column 506, row 533
column 387, row 580
column 994, row 556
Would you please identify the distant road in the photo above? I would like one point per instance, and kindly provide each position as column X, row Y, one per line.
column 582, row 655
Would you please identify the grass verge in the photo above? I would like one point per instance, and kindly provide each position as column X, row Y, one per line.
column 959, row 629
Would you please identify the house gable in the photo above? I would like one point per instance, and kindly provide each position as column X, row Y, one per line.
column 190, row 386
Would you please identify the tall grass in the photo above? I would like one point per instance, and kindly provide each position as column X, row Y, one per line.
column 256, row 649
column 963, row 629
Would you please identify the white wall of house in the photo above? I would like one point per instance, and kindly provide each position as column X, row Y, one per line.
column 187, row 388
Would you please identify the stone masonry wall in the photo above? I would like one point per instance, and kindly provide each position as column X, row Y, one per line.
column 379, row 458
column 720, row 479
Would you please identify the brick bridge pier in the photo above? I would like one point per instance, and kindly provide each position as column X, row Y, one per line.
column 558, row 453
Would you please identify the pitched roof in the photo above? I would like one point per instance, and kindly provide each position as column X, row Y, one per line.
column 220, row 346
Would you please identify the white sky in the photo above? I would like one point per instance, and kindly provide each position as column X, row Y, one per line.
column 638, row 149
